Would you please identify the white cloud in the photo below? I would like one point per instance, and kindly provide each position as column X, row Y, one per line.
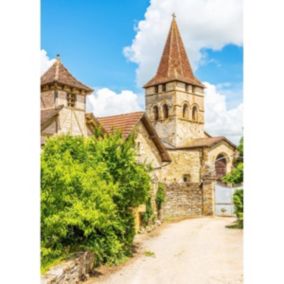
column 45, row 61
column 106, row 102
column 219, row 120
column 202, row 23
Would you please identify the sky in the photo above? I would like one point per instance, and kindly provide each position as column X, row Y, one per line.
column 115, row 47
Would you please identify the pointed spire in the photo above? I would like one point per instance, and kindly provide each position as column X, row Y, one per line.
column 174, row 63
column 58, row 73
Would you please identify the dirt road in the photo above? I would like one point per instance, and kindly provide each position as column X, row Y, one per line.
column 196, row 251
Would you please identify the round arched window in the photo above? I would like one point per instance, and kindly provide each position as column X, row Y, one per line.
column 185, row 111
column 156, row 113
column 220, row 166
column 194, row 113
column 166, row 111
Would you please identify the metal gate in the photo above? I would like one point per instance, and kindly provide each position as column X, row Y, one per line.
column 224, row 205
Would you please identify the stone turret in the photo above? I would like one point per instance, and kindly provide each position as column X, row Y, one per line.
column 63, row 94
column 174, row 97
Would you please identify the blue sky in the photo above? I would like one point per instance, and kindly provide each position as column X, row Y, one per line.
column 90, row 38
column 115, row 47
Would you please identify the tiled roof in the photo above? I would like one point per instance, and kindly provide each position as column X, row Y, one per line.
column 174, row 64
column 48, row 114
column 58, row 73
column 126, row 124
column 123, row 122
column 206, row 142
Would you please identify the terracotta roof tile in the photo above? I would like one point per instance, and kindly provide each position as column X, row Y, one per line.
column 123, row 122
column 174, row 63
column 126, row 124
column 60, row 74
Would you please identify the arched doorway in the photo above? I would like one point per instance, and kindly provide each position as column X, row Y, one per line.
column 220, row 166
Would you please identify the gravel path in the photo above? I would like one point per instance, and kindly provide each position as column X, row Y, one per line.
column 195, row 251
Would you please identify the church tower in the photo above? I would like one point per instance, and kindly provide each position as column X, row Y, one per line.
column 63, row 96
column 174, row 97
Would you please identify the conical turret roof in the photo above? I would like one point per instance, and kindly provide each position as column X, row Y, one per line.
column 174, row 64
column 58, row 73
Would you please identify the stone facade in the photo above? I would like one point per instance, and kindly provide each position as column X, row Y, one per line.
column 182, row 200
column 174, row 100
column 183, row 123
column 73, row 271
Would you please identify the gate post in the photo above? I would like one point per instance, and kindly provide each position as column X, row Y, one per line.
column 208, row 188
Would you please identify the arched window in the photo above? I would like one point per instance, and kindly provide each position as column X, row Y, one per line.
column 166, row 111
column 220, row 166
column 185, row 111
column 156, row 113
column 194, row 114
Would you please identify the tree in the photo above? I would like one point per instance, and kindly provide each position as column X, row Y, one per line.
column 88, row 189
column 235, row 177
column 237, row 173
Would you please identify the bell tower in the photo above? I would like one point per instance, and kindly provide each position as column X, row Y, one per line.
column 174, row 97
column 64, row 94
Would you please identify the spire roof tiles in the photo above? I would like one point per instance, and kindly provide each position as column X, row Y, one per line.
column 174, row 63
column 58, row 73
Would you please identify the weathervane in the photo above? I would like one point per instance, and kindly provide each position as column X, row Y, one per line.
column 174, row 15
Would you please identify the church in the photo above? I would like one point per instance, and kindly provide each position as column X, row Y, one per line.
column 170, row 133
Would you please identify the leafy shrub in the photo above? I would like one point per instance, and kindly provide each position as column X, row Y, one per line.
column 148, row 215
column 236, row 176
column 239, row 206
column 88, row 189
column 160, row 197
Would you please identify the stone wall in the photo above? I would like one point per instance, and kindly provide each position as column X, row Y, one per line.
column 182, row 200
column 72, row 271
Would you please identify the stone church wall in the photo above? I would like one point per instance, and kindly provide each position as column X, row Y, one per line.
column 182, row 200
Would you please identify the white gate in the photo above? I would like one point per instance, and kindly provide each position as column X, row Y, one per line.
column 224, row 205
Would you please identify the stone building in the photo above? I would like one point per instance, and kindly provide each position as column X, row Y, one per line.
column 63, row 111
column 174, row 100
column 170, row 134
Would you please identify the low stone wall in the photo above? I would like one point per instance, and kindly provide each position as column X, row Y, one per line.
column 72, row 271
column 182, row 200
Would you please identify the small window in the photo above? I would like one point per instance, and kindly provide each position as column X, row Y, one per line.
column 186, row 178
column 185, row 111
column 164, row 87
column 71, row 100
column 156, row 89
column 194, row 114
column 166, row 111
column 156, row 113
column 187, row 87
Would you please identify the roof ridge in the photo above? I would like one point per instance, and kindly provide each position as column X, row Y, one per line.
column 122, row 114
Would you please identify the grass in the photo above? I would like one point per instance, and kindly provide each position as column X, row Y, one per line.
column 236, row 225
column 149, row 253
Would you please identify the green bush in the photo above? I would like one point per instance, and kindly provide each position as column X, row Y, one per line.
column 88, row 189
column 239, row 206
column 148, row 216
column 160, row 197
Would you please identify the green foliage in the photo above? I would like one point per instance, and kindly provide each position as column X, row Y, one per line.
column 236, row 176
column 88, row 189
column 149, row 253
column 239, row 206
column 148, row 215
column 160, row 196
